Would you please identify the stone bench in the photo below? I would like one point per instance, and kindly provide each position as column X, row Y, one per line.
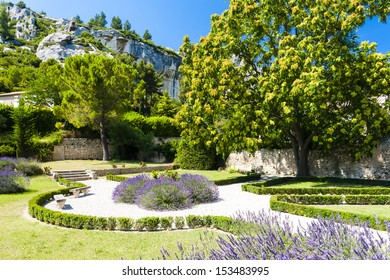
column 60, row 199
column 76, row 191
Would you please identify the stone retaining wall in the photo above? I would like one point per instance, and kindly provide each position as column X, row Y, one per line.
column 282, row 162
column 79, row 148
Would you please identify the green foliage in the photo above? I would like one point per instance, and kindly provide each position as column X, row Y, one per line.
column 158, row 126
column 45, row 90
column 21, row 5
column 7, row 122
column 195, row 156
column 98, row 21
column 271, row 68
column 295, row 200
column 23, row 131
column 166, row 222
column 165, row 106
column 179, row 222
column 98, row 89
column 125, row 224
column 116, row 23
column 4, row 24
column 6, row 150
column 130, row 142
column 168, row 150
column 147, row 36
column 127, row 25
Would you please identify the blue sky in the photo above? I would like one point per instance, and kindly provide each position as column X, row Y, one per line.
column 170, row 20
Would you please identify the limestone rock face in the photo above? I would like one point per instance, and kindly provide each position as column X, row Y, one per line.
column 58, row 46
column 26, row 22
column 164, row 63
column 64, row 43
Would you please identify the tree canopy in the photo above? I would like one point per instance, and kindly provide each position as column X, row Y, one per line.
column 99, row 89
column 287, row 68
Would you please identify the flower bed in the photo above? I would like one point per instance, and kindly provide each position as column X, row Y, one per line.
column 166, row 192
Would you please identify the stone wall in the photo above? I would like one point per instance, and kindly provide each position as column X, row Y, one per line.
column 78, row 148
column 338, row 164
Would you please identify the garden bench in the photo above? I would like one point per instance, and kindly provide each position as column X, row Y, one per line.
column 60, row 199
column 76, row 191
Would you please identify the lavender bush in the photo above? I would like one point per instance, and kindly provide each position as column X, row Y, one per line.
column 125, row 192
column 7, row 163
column 163, row 194
column 269, row 238
column 166, row 192
column 12, row 182
column 202, row 189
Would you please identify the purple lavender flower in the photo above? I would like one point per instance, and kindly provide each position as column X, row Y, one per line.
column 7, row 163
column 163, row 194
column 264, row 236
column 12, row 181
column 202, row 189
column 125, row 191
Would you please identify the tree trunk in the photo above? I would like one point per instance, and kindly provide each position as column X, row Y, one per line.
column 103, row 140
column 300, row 147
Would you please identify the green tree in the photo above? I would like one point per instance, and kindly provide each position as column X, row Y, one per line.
column 45, row 90
column 23, row 130
column 98, row 21
column 287, row 67
column 151, row 81
column 127, row 26
column 116, row 23
column 147, row 36
column 21, row 5
column 99, row 88
column 4, row 23
column 165, row 106
column 78, row 19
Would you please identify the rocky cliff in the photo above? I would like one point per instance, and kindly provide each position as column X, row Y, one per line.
column 66, row 40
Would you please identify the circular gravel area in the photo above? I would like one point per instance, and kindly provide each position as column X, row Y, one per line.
column 232, row 200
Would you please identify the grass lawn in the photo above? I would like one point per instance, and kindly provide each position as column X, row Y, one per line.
column 211, row 174
column 92, row 164
column 378, row 210
column 24, row 239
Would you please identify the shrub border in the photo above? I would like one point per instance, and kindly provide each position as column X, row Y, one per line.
column 241, row 179
column 294, row 201
column 79, row 221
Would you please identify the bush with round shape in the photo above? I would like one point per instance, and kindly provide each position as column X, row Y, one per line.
column 125, row 192
column 202, row 189
column 12, row 182
column 163, row 194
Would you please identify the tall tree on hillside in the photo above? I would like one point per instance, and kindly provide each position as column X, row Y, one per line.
column 98, row 21
column 127, row 25
column 5, row 29
column 99, row 88
column 147, row 36
column 116, row 23
column 293, row 67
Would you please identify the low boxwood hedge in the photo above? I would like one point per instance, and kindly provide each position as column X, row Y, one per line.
column 299, row 201
column 78, row 221
column 241, row 179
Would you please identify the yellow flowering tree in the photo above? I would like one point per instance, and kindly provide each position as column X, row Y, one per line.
column 291, row 68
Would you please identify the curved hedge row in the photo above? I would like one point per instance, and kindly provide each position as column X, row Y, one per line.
column 241, row 179
column 78, row 221
column 298, row 200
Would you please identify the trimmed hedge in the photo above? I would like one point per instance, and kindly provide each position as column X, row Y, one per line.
column 298, row 201
column 236, row 180
column 313, row 212
column 78, row 221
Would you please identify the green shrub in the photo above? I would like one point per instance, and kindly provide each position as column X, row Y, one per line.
column 125, row 224
column 194, row 221
column 6, row 150
column 179, row 222
column 101, row 223
column 140, row 224
column 162, row 126
column 168, row 150
column 195, row 157
column 166, row 222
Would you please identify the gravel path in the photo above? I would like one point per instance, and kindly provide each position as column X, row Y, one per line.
column 232, row 200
